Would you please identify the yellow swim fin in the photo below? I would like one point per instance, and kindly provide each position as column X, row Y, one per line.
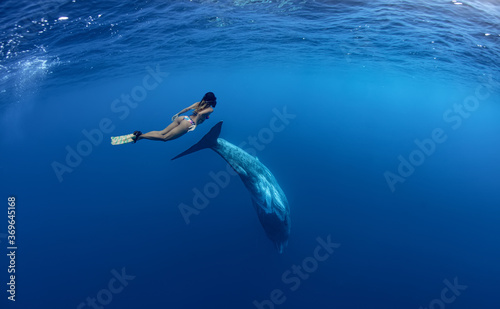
column 122, row 139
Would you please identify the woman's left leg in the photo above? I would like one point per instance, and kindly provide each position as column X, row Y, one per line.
column 174, row 130
column 171, row 126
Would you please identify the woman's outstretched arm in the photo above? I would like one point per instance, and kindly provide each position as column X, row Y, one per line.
column 188, row 108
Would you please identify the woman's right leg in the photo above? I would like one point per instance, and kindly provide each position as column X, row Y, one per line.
column 153, row 135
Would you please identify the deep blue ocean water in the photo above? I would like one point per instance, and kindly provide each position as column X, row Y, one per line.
column 379, row 119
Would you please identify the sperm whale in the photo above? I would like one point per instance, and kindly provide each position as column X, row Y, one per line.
column 268, row 198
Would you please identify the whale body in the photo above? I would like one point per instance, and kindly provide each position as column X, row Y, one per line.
column 268, row 198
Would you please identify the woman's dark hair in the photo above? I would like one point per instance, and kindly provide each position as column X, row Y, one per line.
column 210, row 99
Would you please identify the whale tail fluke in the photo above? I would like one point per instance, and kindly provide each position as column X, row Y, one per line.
column 208, row 141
